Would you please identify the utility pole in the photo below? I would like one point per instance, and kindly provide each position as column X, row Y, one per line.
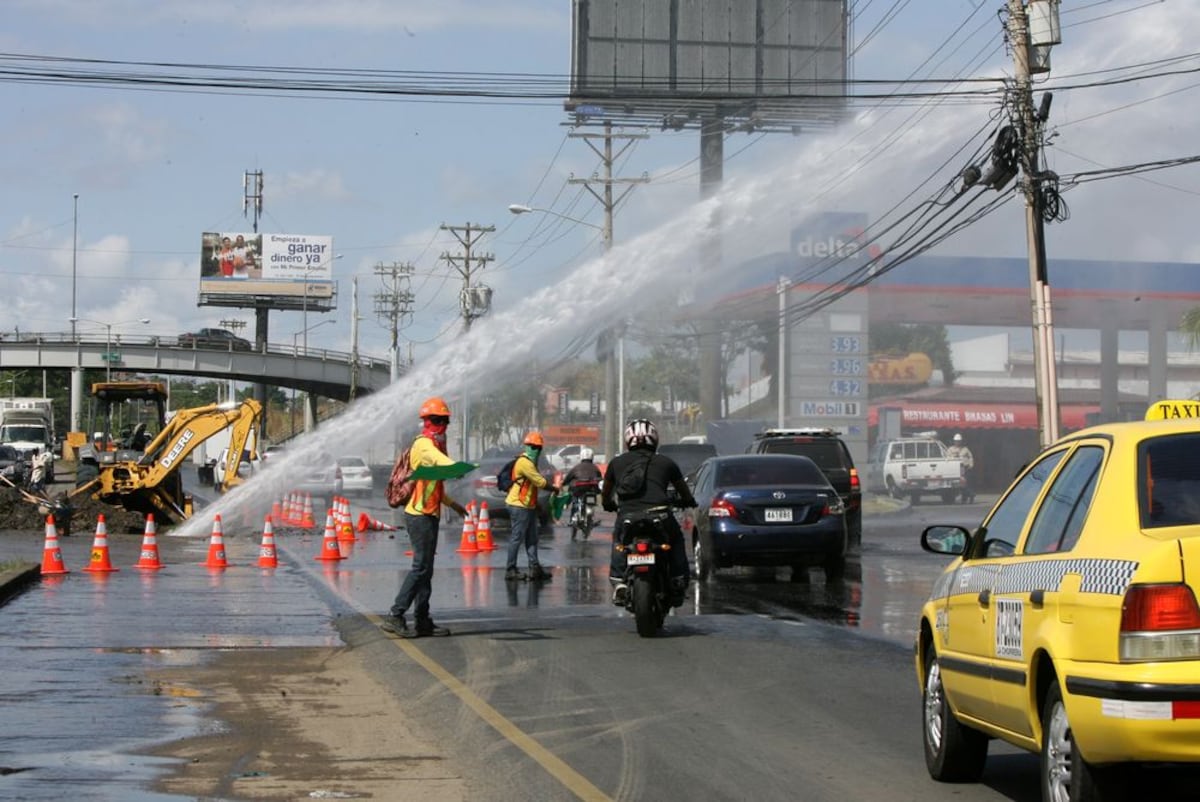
column 354, row 339
column 252, row 205
column 394, row 304
column 475, row 299
column 1030, row 47
column 614, row 374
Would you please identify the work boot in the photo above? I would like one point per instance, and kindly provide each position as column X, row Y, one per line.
column 538, row 573
column 428, row 629
column 514, row 575
column 394, row 624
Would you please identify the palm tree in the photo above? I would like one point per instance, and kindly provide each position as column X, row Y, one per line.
column 1190, row 325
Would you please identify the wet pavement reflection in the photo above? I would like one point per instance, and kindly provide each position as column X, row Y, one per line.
column 78, row 649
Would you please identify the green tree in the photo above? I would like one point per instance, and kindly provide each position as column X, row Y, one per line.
column 1189, row 326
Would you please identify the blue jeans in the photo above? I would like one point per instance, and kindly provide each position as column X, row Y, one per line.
column 418, row 585
column 524, row 530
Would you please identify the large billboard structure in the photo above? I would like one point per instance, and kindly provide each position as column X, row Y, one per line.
column 755, row 64
column 288, row 272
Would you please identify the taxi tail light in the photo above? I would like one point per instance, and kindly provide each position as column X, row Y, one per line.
column 721, row 508
column 1160, row 622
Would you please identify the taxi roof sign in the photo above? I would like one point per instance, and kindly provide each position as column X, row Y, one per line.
column 1169, row 409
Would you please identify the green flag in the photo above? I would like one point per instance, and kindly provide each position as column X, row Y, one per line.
column 456, row 470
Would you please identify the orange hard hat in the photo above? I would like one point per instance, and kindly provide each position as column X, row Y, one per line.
column 534, row 439
column 434, row 406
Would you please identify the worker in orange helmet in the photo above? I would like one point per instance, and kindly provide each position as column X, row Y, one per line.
column 421, row 516
column 522, row 503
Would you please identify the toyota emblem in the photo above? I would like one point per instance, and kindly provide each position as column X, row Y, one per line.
column 779, row 494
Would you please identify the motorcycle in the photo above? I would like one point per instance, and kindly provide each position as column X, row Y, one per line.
column 645, row 542
column 583, row 508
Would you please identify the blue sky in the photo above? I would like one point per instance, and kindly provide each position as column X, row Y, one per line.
column 154, row 169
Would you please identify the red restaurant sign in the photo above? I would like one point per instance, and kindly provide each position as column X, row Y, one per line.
column 980, row 416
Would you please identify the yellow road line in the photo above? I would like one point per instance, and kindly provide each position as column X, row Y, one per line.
column 575, row 782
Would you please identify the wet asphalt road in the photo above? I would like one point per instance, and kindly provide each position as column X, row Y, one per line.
column 76, row 647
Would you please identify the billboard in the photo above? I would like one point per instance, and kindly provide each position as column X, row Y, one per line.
column 773, row 64
column 281, row 265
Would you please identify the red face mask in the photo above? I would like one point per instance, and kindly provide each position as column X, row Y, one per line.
column 436, row 432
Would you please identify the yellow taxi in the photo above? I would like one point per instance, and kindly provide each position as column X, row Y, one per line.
column 1067, row 624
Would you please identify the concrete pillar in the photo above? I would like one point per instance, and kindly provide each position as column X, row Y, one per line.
column 1156, row 355
column 1109, row 368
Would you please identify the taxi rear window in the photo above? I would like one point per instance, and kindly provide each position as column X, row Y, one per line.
column 1169, row 481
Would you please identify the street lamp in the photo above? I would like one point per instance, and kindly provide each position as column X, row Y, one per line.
column 305, row 332
column 606, row 230
column 108, row 327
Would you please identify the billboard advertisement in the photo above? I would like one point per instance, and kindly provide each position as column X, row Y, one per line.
column 290, row 265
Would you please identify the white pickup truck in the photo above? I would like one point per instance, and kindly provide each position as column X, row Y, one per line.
column 914, row 467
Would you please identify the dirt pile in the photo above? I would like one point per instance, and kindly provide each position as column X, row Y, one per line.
column 76, row 515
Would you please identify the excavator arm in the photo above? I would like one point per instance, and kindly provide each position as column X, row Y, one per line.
column 153, row 483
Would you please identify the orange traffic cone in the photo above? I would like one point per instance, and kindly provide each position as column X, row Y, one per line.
column 469, row 546
column 366, row 522
column 267, row 558
column 52, row 561
column 216, row 546
column 100, row 563
column 345, row 527
column 307, row 522
column 285, row 517
column 330, row 549
column 483, row 532
column 148, row 560
column 276, row 511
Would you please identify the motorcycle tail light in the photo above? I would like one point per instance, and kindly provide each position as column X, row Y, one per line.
column 642, row 547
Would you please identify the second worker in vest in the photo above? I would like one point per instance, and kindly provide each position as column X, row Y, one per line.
column 522, row 503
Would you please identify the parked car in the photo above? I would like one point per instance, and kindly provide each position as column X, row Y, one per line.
column 214, row 338
column 564, row 458
column 826, row 448
column 688, row 456
column 356, row 476
column 322, row 481
column 13, row 467
column 914, row 467
column 1067, row 623
column 246, row 468
column 767, row 510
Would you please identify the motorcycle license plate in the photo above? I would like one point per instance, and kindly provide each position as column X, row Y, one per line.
column 778, row 514
column 640, row 559
column 589, row 500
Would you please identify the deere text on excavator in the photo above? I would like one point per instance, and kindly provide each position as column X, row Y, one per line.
column 141, row 472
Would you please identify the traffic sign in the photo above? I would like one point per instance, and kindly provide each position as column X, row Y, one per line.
column 111, row 356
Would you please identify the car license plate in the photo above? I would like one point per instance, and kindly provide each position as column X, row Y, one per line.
column 778, row 514
column 640, row 559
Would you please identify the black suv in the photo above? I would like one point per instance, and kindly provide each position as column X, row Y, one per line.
column 826, row 448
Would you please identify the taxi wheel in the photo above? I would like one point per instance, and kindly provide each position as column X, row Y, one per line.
column 953, row 753
column 1065, row 775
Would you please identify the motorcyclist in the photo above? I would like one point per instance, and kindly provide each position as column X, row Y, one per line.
column 618, row 493
column 582, row 479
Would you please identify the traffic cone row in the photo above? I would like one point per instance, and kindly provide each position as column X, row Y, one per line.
column 148, row 557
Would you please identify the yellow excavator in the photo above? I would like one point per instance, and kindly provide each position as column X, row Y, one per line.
column 142, row 472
